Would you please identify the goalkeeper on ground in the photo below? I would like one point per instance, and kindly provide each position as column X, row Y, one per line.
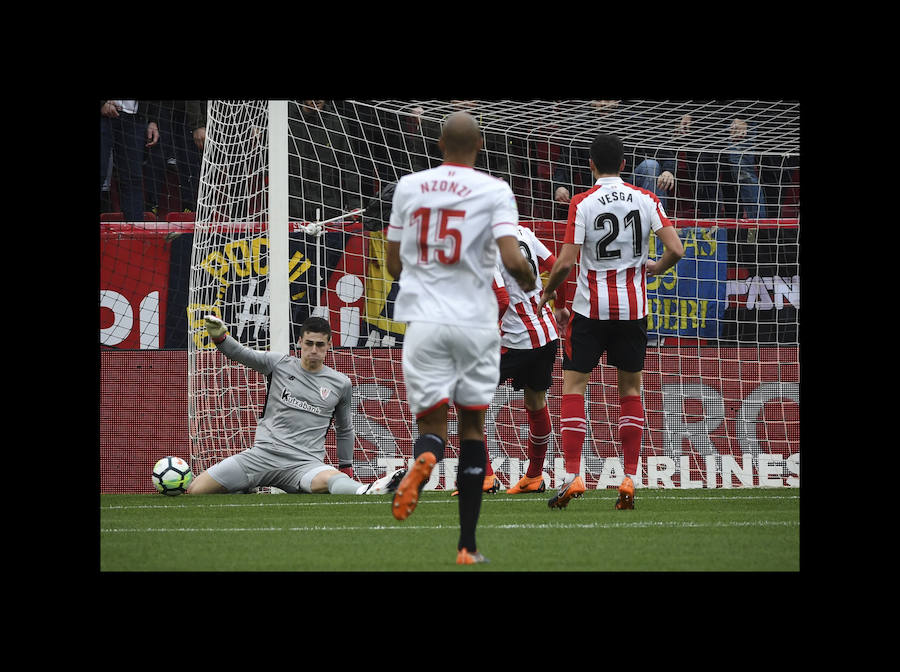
column 288, row 452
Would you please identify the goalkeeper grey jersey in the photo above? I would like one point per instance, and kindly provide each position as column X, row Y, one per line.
column 300, row 404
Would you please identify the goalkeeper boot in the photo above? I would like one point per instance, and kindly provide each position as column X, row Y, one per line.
column 491, row 485
column 626, row 495
column 386, row 484
column 464, row 557
column 569, row 491
column 406, row 497
column 528, row 484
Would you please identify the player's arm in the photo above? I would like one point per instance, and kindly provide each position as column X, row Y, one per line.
column 263, row 362
column 673, row 251
column 565, row 262
column 546, row 261
column 394, row 232
column 394, row 265
column 515, row 263
column 500, row 293
column 561, row 293
column 568, row 257
column 560, row 312
column 343, row 431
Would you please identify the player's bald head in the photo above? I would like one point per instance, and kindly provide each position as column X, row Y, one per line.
column 460, row 134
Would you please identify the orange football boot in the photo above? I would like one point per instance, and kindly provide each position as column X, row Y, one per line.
column 528, row 484
column 491, row 485
column 626, row 495
column 406, row 497
column 569, row 491
column 464, row 557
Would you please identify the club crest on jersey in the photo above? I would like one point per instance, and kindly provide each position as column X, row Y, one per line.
column 324, row 392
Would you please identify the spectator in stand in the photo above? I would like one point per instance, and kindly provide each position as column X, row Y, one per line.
column 701, row 176
column 655, row 170
column 741, row 164
column 321, row 166
column 420, row 139
column 176, row 146
column 570, row 172
column 779, row 178
column 195, row 111
column 127, row 129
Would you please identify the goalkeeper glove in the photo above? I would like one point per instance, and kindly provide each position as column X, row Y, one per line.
column 215, row 328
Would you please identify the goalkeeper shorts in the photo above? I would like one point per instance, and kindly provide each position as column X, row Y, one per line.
column 259, row 468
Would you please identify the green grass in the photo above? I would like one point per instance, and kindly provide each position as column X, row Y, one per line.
column 735, row 530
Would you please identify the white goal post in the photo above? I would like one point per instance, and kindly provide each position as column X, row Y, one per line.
column 293, row 200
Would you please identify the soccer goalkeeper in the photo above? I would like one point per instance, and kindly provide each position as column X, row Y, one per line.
column 288, row 451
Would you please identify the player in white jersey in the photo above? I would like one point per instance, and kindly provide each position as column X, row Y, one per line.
column 608, row 230
column 529, row 340
column 304, row 396
column 446, row 226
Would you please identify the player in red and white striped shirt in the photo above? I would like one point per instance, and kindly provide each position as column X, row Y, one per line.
column 608, row 233
column 529, row 339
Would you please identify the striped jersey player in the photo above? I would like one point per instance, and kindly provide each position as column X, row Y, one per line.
column 522, row 326
column 608, row 231
column 529, row 337
column 611, row 223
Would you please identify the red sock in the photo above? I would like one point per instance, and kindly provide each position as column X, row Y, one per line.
column 631, row 429
column 539, row 432
column 572, row 428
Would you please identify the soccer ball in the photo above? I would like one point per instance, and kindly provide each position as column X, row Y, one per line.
column 172, row 476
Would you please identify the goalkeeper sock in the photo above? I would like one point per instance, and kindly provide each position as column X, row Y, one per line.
column 572, row 428
column 341, row 484
column 469, row 479
column 429, row 443
column 539, row 431
column 631, row 429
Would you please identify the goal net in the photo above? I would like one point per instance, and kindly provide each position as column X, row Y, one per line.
column 293, row 201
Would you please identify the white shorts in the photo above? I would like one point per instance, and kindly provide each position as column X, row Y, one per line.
column 444, row 363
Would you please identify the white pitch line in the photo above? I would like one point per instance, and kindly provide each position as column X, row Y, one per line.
column 524, row 500
column 379, row 528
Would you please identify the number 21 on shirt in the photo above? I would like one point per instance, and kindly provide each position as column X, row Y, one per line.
column 436, row 238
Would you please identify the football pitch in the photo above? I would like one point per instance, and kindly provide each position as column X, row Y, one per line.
column 725, row 530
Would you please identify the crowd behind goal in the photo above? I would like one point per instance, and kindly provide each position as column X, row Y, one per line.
column 343, row 154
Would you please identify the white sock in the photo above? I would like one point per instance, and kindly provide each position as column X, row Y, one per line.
column 568, row 478
column 341, row 484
